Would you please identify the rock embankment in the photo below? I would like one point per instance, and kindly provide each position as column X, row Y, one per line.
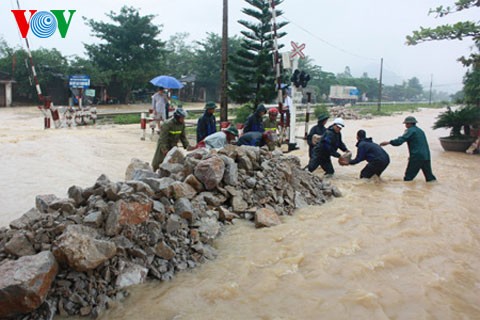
column 74, row 256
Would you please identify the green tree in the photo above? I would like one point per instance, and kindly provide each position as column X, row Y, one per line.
column 130, row 51
column 208, row 58
column 51, row 68
column 252, row 65
column 179, row 56
column 457, row 31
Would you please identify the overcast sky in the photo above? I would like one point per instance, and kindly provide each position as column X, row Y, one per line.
column 337, row 33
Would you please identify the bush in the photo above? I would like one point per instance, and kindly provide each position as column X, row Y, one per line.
column 242, row 113
column 127, row 119
column 320, row 109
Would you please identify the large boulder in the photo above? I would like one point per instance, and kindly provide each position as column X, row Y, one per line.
column 79, row 248
column 210, row 172
column 24, row 283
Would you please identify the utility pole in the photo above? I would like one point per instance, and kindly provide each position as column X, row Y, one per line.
column 380, row 87
column 431, row 82
column 224, row 71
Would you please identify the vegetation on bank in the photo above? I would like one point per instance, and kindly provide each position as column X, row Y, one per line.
column 239, row 114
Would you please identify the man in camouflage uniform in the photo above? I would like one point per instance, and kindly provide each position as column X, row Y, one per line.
column 173, row 130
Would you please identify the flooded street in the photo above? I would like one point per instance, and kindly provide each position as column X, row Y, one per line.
column 387, row 249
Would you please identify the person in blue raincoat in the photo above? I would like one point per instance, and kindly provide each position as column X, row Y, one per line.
column 255, row 120
column 327, row 147
column 207, row 124
column 258, row 139
column 378, row 160
column 318, row 130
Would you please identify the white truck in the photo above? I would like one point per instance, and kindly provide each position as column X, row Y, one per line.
column 342, row 95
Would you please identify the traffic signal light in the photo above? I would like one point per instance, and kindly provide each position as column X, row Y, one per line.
column 305, row 80
column 296, row 78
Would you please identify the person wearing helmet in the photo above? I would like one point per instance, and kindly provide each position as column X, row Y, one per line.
column 173, row 130
column 271, row 124
column 418, row 149
column 207, row 123
column 255, row 120
column 327, row 147
column 258, row 139
column 220, row 139
column 378, row 160
column 319, row 129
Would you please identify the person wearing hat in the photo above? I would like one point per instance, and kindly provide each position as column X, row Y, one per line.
column 377, row 159
column 220, row 139
column 327, row 147
column 173, row 130
column 255, row 120
column 418, row 149
column 258, row 139
column 207, row 124
column 318, row 129
column 271, row 124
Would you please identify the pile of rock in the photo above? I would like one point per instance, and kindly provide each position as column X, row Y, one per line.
column 74, row 256
column 347, row 113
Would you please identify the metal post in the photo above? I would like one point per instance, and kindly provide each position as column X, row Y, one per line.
column 307, row 114
column 292, row 145
column 380, row 87
column 143, row 124
column 431, row 82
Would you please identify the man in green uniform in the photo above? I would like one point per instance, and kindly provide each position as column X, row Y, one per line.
column 172, row 131
column 418, row 149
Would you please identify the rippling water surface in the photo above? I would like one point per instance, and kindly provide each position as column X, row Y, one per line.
column 386, row 250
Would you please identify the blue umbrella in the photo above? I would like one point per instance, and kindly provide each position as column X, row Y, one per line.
column 166, row 82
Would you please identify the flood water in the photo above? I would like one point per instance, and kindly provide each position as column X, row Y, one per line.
column 387, row 249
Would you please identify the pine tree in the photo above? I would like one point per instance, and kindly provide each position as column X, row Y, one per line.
column 252, row 65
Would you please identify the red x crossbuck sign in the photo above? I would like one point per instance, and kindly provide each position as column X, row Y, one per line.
column 297, row 50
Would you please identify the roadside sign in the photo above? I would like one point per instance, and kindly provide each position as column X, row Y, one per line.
column 79, row 81
column 297, row 50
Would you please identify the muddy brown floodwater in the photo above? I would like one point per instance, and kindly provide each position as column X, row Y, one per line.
column 386, row 250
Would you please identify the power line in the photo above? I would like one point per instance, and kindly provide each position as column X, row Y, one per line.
column 326, row 42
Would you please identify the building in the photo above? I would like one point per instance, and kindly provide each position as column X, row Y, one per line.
column 6, row 83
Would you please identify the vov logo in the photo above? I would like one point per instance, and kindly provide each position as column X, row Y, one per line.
column 43, row 23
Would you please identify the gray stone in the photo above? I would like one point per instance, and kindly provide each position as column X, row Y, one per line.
column 209, row 229
column 184, row 209
column 230, row 177
column 213, row 200
column 93, row 219
column 42, row 202
column 140, row 186
column 76, row 194
column 175, row 223
column 19, row 245
column 136, row 165
column 161, row 186
column 141, row 174
column 238, row 204
column 133, row 274
column 26, row 219
column 174, row 155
